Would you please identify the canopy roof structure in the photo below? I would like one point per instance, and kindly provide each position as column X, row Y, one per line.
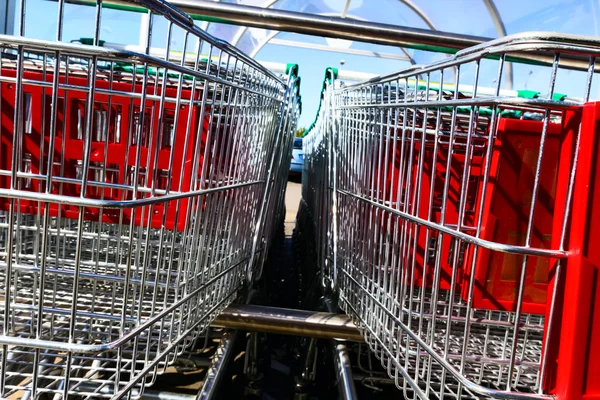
column 485, row 18
column 403, row 12
column 474, row 17
column 378, row 29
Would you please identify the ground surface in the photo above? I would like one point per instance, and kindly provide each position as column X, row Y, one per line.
column 293, row 194
column 288, row 281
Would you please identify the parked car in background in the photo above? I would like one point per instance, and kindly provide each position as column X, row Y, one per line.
column 297, row 157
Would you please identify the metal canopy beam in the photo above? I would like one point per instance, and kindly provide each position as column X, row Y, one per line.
column 343, row 28
column 333, row 27
column 501, row 29
column 7, row 16
column 310, row 24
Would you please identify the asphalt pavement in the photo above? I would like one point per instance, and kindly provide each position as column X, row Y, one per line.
column 293, row 194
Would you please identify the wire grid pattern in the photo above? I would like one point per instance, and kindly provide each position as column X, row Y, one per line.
column 274, row 200
column 316, row 178
column 130, row 191
column 411, row 171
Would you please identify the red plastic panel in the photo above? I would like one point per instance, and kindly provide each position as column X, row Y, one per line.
column 395, row 179
column 506, row 214
column 114, row 154
column 573, row 364
column 449, row 181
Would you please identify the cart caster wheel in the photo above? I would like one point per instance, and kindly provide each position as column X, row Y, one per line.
column 252, row 391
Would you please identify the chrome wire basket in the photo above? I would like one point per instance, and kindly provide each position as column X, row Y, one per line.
column 133, row 189
column 448, row 214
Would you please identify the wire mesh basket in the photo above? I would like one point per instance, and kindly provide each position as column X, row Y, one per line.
column 449, row 216
column 132, row 191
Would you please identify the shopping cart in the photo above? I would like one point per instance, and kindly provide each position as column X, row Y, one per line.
column 456, row 220
column 133, row 195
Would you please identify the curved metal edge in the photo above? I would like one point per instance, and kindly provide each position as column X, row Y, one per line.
column 99, row 348
column 486, row 244
column 185, row 21
column 120, row 55
column 525, row 47
column 318, row 25
column 474, row 387
column 215, row 373
column 125, row 204
column 523, row 102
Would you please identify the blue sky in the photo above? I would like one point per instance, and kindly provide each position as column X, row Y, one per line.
column 461, row 16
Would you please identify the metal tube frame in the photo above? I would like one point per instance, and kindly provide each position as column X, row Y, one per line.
column 285, row 321
column 411, row 325
column 215, row 373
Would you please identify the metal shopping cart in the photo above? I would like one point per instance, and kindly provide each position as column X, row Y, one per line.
column 455, row 220
column 134, row 189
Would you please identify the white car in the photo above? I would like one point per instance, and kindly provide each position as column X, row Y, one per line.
column 297, row 157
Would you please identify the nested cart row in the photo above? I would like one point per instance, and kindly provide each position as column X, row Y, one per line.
column 133, row 194
column 456, row 219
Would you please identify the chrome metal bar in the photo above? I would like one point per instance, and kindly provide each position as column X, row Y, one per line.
column 341, row 362
column 257, row 17
column 147, row 395
column 216, row 371
column 342, row 28
column 286, row 321
column 343, row 371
